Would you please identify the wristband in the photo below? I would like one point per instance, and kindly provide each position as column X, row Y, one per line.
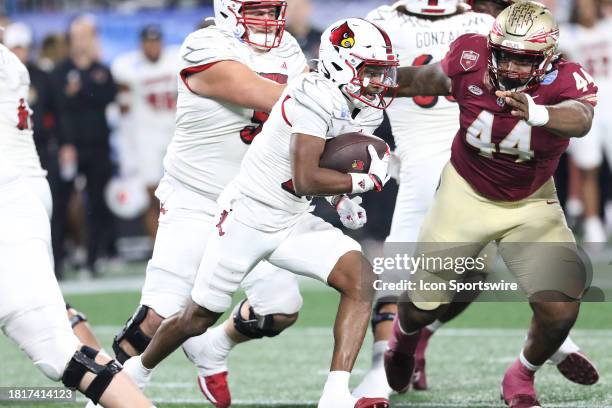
column 538, row 114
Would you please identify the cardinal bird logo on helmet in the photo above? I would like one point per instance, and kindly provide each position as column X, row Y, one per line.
column 342, row 36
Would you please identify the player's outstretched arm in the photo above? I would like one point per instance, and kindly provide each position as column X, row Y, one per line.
column 235, row 83
column 570, row 118
column 308, row 177
column 426, row 80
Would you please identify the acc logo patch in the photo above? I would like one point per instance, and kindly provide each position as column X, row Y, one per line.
column 550, row 77
column 475, row 90
column 357, row 165
column 468, row 59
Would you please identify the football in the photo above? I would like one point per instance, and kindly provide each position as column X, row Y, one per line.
column 348, row 153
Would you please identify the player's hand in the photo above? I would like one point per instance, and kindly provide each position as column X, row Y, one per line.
column 352, row 214
column 524, row 107
column 378, row 168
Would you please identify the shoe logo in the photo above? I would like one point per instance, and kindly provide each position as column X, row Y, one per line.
column 475, row 90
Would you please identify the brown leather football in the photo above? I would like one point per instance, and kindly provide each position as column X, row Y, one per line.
column 348, row 153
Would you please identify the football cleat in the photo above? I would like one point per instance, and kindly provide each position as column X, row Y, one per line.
column 215, row 389
column 578, row 369
column 399, row 358
column 372, row 403
column 419, row 378
column 517, row 389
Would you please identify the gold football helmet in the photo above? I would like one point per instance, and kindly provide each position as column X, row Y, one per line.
column 522, row 44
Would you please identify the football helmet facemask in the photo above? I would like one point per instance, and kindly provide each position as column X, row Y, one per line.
column 358, row 56
column 522, row 45
column 260, row 24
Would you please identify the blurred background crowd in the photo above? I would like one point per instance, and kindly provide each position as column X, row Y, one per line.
column 92, row 136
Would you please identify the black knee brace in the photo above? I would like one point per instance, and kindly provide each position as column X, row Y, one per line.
column 378, row 317
column 132, row 334
column 77, row 318
column 83, row 361
column 255, row 327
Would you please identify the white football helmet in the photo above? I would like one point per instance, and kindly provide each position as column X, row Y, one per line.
column 358, row 56
column 127, row 198
column 250, row 20
column 430, row 7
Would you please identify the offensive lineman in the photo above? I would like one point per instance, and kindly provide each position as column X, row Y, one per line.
column 502, row 160
column 147, row 98
column 423, row 128
column 232, row 74
column 32, row 310
column 265, row 210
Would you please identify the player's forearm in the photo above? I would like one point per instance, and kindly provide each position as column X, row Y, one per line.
column 427, row 80
column 569, row 119
column 322, row 182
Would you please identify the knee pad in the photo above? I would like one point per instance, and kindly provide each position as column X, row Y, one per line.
column 377, row 316
column 83, row 361
column 255, row 327
column 132, row 334
column 77, row 318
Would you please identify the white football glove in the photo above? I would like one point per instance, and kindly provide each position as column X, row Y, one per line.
column 395, row 165
column 377, row 175
column 352, row 214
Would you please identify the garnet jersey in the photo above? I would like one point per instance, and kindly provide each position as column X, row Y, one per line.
column 424, row 123
column 592, row 47
column 211, row 137
column 503, row 157
column 311, row 105
column 152, row 91
column 16, row 138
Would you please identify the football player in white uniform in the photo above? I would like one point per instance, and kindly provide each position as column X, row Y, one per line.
column 231, row 75
column 590, row 43
column 32, row 309
column 423, row 129
column 265, row 211
column 147, row 98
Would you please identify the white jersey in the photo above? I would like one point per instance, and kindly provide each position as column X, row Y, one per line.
column 592, row 48
column 311, row 105
column 424, row 125
column 211, row 137
column 16, row 136
column 152, row 91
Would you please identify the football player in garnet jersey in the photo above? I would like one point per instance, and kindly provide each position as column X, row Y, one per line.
column 519, row 106
column 423, row 129
column 265, row 214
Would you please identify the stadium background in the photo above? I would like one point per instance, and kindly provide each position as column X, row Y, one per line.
column 467, row 359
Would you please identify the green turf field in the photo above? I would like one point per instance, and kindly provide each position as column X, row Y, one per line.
column 465, row 362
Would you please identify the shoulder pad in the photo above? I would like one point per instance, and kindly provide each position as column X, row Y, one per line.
column 382, row 13
column 288, row 47
column 319, row 95
column 209, row 45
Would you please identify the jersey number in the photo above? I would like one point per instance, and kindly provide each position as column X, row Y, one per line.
column 583, row 81
column 426, row 101
column 248, row 133
column 516, row 143
column 164, row 101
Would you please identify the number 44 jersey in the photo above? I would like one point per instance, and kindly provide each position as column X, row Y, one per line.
column 424, row 126
column 211, row 137
column 503, row 157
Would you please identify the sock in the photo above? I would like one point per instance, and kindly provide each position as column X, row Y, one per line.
column 337, row 383
column 378, row 352
column 568, row 347
column 209, row 351
column 435, row 326
column 527, row 364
